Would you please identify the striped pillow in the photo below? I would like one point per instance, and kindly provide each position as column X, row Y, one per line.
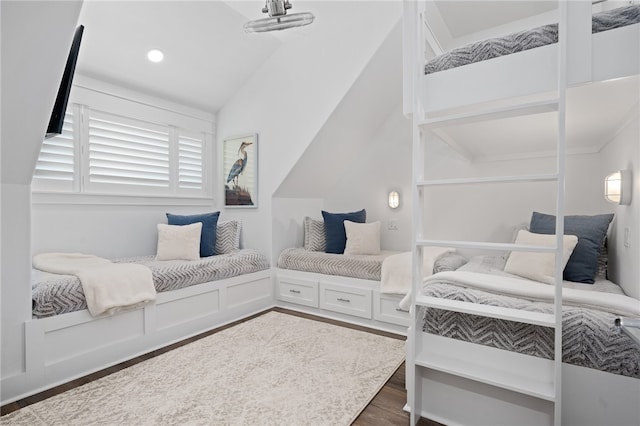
column 314, row 234
column 228, row 236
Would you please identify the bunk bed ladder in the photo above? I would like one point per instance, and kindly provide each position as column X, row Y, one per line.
column 421, row 355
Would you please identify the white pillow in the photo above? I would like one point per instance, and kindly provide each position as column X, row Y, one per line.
column 538, row 266
column 179, row 242
column 362, row 238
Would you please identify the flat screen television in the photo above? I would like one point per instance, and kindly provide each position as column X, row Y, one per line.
column 60, row 107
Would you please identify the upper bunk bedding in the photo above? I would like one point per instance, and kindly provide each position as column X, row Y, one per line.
column 528, row 39
column 590, row 336
column 54, row 294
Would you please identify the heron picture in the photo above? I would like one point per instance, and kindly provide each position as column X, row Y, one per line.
column 240, row 171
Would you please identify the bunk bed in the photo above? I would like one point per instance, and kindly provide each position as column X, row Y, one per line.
column 65, row 341
column 478, row 354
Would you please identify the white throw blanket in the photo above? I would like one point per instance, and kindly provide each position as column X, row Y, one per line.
column 108, row 287
column 396, row 272
column 617, row 304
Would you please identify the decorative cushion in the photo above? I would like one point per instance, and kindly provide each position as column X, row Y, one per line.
column 179, row 242
column 209, row 223
column 228, row 236
column 335, row 233
column 314, row 235
column 538, row 266
column 591, row 232
column 362, row 238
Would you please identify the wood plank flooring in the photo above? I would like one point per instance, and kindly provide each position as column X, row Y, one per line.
column 385, row 409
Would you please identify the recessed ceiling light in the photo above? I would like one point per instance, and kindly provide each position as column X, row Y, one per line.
column 155, row 55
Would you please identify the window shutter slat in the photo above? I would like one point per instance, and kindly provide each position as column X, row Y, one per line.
column 190, row 173
column 127, row 152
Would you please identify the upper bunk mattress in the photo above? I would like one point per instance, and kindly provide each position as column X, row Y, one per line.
column 54, row 294
column 366, row 267
column 528, row 39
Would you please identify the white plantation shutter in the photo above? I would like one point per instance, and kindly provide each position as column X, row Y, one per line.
column 127, row 152
column 158, row 153
column 56, row 160
column 190, row 155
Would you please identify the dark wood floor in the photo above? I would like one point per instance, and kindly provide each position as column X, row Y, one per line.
column 385, row 409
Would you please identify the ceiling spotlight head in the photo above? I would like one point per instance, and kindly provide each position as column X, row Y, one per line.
column 278, row 18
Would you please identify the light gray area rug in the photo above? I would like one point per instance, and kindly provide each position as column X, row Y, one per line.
column 276, row 369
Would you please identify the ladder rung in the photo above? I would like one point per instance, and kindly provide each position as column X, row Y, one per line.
column 530, row 108
column 491, row 179
column 510, row 314
column 486, row 246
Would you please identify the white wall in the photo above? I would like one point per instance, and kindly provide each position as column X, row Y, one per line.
column 623, row 152
column 35, row 37
column 290, row 98
column 287, row 217
column 384, row 165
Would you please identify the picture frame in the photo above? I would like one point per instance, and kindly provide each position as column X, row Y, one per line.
column 240, row 171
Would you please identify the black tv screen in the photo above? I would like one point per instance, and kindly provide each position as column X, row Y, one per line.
column 60, row 107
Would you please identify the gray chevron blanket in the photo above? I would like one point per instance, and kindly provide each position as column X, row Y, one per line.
column 54, row 294
column 528, row 39
column 366, row 267
column 590, row 338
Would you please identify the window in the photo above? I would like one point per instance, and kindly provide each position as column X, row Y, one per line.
column 121, row 156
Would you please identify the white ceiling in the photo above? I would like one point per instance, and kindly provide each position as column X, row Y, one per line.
column 208, row 57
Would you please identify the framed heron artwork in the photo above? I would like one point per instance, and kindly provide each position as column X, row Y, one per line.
column 240, row 171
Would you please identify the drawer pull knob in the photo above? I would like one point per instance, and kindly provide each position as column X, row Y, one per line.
column 340, row 299
column 402, row 310
column 295, row 291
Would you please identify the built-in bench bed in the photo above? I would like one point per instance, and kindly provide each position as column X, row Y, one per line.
column 64, row 341
column 54, row 294
column 339, row 286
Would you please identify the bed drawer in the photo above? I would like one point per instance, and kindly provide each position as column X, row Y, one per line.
column 385, row 308
column 301, row 292
column 346, row 300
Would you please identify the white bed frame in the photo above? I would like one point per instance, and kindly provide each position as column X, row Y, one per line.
column 64, row 347
column 454, row 384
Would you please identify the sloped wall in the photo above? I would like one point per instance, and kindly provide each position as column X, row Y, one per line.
column 291, row 97
column 36, row 37
column 363, row 149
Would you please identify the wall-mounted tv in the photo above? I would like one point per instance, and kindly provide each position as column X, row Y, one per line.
column 60, row 107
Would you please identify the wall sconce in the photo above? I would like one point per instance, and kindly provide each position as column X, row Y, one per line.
column 394, row 199
column 617, row 187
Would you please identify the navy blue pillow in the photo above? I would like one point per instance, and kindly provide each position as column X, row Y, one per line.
column 591, row 232
column 209, row 225
column 335, row 233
